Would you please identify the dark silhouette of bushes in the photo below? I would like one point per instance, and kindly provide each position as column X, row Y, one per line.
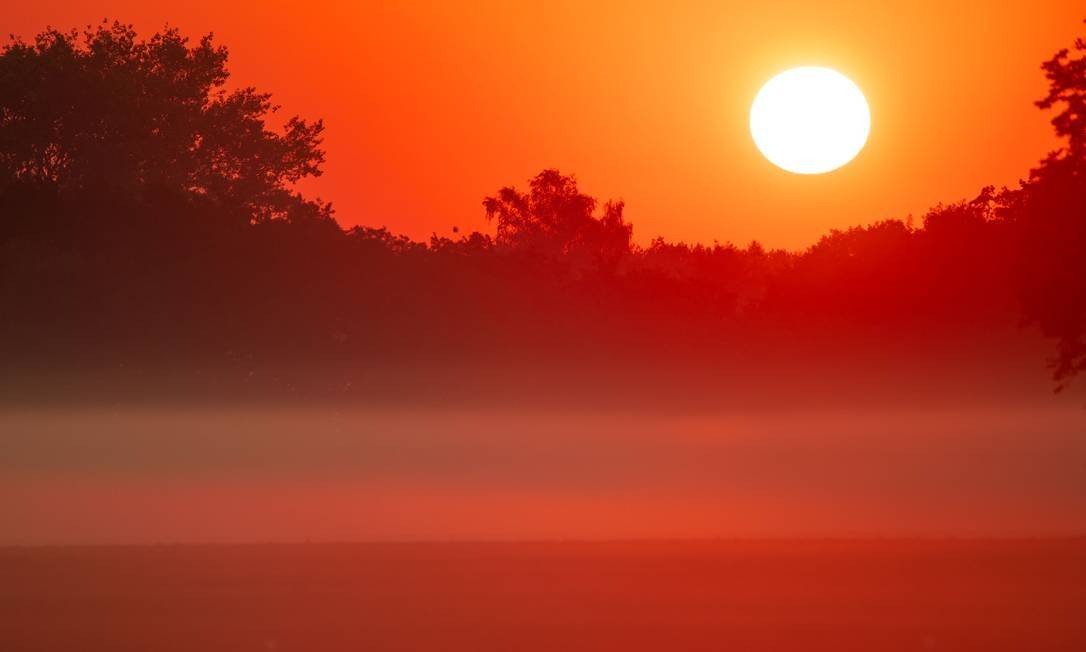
column 148, row 221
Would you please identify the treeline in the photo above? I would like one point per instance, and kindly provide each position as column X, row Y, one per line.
column 148, row 221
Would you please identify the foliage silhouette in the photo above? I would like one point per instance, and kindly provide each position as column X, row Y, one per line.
column 1049, row 213
column 149, row 221
column 555, row 221
column 107, row 114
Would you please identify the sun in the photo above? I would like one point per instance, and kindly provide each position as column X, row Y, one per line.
column 810, row 120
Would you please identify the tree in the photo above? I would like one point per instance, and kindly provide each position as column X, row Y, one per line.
column 1049, row 216
column 1067, row 87
column 105, row 112
column 555, row 220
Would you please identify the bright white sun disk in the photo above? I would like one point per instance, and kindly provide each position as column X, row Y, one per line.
column 810, row 120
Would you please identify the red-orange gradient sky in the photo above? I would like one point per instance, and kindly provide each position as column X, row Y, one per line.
column 430, row 106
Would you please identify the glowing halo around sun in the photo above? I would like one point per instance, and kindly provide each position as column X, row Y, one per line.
column 810, row 120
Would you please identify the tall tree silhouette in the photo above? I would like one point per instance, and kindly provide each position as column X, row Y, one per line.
column 104, row 112
column 1050, row 214
column 1067, row 89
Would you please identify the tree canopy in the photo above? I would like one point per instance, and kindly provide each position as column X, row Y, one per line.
column 106, row 137
column 104, row 112
column 554, row 219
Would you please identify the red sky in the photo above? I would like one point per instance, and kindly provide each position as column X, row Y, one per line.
column 431, row 106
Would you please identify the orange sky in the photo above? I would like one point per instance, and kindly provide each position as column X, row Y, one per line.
column 429, row 108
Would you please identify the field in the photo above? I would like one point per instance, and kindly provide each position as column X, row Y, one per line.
column 809, row 595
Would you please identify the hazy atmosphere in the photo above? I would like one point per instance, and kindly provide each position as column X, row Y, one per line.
column 517, row 326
